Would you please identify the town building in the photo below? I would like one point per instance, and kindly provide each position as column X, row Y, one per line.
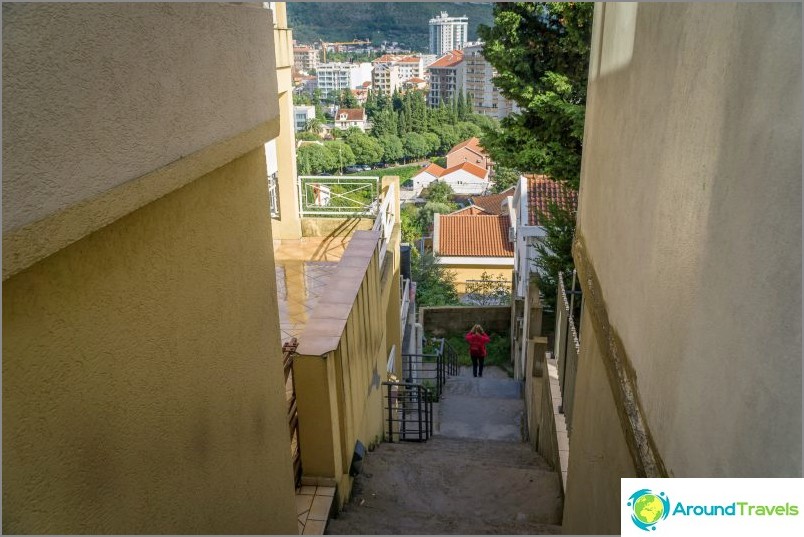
column 471, row 245
column 335, row 77
column 469, row 151
column 391, row 72
column 448, row 33
column 485, row 97
column 305, row 59
column 301, row 115
column 465, row 178
column 447, row 78
column 346, row 118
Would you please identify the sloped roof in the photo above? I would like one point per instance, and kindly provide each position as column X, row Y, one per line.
column 352, row 114
column 541, row 191
column 450, row 59
column 416, row 80
column 477, row 171
column 493, row 202
column 472, row 144
column 410, row 59
column 434, row 169
column 471, row 210
column 474, row 236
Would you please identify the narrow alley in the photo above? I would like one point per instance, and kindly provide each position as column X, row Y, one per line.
column 475, row 476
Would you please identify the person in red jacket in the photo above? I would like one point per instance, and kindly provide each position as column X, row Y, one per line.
column 477, row 339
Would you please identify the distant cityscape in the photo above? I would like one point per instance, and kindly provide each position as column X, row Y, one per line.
column 454, row 66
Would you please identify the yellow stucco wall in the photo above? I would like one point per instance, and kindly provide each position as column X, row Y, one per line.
column 142, row 380
column 474, row 272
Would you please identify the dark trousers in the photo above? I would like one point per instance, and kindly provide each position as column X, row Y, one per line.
column 477, row 366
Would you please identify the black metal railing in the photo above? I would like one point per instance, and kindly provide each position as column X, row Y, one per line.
column 431, row 369
column 408, row 412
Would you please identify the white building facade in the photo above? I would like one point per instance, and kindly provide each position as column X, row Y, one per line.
column 448, row 33
column 335, row 77
column 485, row 96
column 301, row 114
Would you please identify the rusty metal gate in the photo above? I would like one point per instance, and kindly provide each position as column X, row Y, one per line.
column 288, row 353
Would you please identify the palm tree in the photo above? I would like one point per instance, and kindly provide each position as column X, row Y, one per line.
column 314, row 125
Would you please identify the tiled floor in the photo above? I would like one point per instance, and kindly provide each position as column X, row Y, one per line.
column 312, row 508
column 303, row 268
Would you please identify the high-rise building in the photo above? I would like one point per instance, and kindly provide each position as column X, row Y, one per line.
column 485, row 97
column 448, row 33
column 390, row 72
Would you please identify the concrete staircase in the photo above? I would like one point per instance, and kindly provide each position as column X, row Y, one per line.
column 475, row 476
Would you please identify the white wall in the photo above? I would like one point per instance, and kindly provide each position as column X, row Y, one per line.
column 463, row 182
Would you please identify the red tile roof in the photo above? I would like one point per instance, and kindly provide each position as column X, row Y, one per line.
column 352, row 114
column 416, row 80
column 474, row 236
column 471, row 210
column 541, row 191
column 492, row 203
column 410, row 59
column 450, row 59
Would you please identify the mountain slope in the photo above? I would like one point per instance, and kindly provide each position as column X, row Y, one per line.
column 404, row 22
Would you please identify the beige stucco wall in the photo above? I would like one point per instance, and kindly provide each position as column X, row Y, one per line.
column 691, row 216
column 599, row 456
column 142, row 381
column 128, row 88
column 474, row 272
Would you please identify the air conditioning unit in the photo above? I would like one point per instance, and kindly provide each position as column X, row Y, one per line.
column 511, row 234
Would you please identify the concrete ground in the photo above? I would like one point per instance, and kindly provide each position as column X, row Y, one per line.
column 475, row 476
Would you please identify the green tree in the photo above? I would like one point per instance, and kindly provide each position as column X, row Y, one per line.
column 341, row 155
column 366, row 149
column 541, row 53
column 435, row 285
column 308, row 136
column 415, row 145
column 384, row 123
column 411, row 228
column 433, row 142
column 425, row 218
column 439, row 192
column 504, row 178
column 347, row 99
column 300, row 99
column 313, row 159
column 392, row 149
column 489, row 290
column 448, row 136
column 554, row 252
column 466, row 130
column 314, row 125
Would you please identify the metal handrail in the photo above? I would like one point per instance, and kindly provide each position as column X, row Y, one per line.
column 408, row 412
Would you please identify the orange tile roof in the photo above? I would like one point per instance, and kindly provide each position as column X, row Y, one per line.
column 416, row 80
column 477, row 171
column 352, row 114
column 410, row 59
column 493, row 202
column 450, row 59
column 471, row 210
column 541, row 191
column 472, row 144
column 434, row 169
column 474, row 236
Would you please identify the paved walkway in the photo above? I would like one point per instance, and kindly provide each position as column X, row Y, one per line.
column 475, row 476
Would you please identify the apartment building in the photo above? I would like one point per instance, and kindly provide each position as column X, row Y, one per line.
column 391, row 72
column 486, row 98
column 301, row 115
column 142, row 391
column 305, row 59
column 447, row 78
column 335, row 77
column 448, row 33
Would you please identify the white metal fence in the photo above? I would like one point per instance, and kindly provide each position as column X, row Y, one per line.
column 323, row 195
column 385, row 219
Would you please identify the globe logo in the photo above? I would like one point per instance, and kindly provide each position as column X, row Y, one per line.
column 648, row 508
